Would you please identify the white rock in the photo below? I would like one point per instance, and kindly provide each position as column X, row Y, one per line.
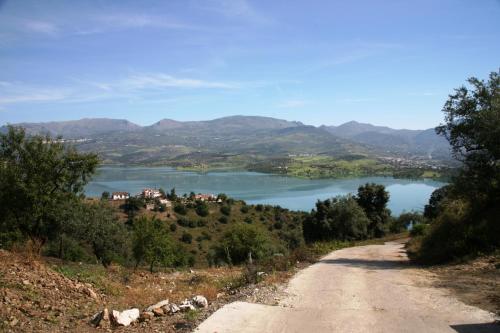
column 157, row 305
column 186, row 305
column 173, row 308
column 200, row 301
column 125, row 318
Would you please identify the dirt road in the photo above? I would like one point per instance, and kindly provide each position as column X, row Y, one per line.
column 360, row 289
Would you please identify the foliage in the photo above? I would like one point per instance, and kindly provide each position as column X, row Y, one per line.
column 432, row 209
column 180, row 208
column 406, row 220
column 241, row 241
column 226, row 210
column 464, row 215
column 186, row 237
column 419, row 230
column 373, row 198
column 340, row 218
column 152, row 243
column 201, row 208
column 38, row 176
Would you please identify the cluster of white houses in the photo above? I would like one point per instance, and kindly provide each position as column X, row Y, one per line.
column 149, row 193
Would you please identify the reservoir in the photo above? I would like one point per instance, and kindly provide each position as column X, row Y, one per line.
column 254, row 188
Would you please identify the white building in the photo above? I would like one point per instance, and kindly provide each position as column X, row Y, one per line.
column 150, row 193
column 120, row 195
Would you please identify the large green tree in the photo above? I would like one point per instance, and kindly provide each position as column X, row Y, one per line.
column 39, row 176
column 340, row 218
column 373, row 198
column 152, row 243
column 472, row 126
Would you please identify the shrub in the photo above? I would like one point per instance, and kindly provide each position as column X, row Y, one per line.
column 202, row 209
column 242, row 239
column 226, row 210
column 248, row 220
column 180, row 209
column 173, row 227
column 340, row 218
column 418, row 230
column 223, row 219
column 187, row 238
column 244, row 209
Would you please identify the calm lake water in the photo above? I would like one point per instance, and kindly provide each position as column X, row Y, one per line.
column 254, row 188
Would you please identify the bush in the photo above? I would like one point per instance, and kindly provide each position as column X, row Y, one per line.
column 226, row 210
column 173, row 227
column 418, row 230
column 242, row 239
column 248, row 220
column 187, row 238
column 202, row 209
column 244, row 209
column 180, row 209
column 340, row 218
column 223, row 219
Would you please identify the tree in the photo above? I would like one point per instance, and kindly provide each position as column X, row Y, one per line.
column 152, row 244
column 172, row 196
column 105, row 195
column 432, row 209
column 38, row 176
column 472, row 126
column 241, row 241
column 373, row 198
column 340, row 218
column 202, row 209
column 97, row 225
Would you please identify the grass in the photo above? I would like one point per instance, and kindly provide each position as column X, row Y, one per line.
column 93, row 274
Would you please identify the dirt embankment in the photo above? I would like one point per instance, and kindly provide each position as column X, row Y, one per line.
column 47, row 295
column 475, row 283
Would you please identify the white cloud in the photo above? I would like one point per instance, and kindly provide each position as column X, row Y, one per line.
column 161, row 80
column 131, row 20
column 42, row 27
column 17, row 94
column 134, row 86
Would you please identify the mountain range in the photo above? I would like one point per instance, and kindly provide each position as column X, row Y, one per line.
column 237, row 138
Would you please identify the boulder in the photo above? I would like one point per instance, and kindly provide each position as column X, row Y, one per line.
column 125, row 318
column 157, row 305
column 200, row 301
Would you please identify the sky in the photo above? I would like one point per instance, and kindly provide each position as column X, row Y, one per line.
column 391, row 62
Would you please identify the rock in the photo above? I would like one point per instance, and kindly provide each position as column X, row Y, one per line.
column 13, row 322
column 200, row 301
column 26, row 282
column 125, row 318
column 101, row 319
column 173, row 308
column 186, row 305
column 146, row 315
column 158, row 312
column 91, row 293
column 157, row 305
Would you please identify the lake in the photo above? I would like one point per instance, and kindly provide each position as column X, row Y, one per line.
column 255, row 188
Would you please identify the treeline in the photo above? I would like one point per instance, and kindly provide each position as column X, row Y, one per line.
column 43, row 208
column 463, row 218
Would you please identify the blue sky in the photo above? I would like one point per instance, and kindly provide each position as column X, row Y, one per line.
column 390, row 62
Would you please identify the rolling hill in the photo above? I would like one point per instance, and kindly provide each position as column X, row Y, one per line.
column 239, row 141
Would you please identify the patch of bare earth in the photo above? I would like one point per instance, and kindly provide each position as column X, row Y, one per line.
column 475, row 283
column 39, row 295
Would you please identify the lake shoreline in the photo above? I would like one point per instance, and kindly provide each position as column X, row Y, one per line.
column 258, row 188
